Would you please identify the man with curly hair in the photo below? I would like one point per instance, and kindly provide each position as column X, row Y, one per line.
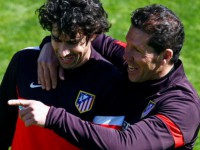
column 90, row 79
column 161, row 106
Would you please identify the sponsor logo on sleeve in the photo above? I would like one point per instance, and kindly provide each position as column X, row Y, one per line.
column 84, row 101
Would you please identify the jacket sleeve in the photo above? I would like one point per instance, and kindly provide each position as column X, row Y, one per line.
column 8, row 114
column 167, row 129
column 90, row 136
column 111, row 49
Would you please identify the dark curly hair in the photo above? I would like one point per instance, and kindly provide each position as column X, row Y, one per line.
column 74, row 16
column 163, row 25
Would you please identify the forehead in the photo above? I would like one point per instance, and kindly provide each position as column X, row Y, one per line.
column 64, row 36
column 138, row 39
column 138, row 36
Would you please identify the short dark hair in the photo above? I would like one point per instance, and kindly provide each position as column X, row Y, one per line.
column 74, row 16
column 165, row 28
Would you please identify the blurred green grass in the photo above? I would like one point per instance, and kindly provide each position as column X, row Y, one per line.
column 19, row 28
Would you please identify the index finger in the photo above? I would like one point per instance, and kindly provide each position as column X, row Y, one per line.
column 19, row 102
column 53, row 75
column 40, row 74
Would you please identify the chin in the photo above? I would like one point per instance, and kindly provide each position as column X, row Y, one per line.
column 134, row 79
column 65, row 67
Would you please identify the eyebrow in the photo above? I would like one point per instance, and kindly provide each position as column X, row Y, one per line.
column 73, row 41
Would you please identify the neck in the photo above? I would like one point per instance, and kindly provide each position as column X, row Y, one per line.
column 166, row 70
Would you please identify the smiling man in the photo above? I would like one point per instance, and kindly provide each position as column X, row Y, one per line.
column 91, row 85
column 161, row 107
column 70, row 52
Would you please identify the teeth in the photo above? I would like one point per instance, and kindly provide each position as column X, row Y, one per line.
column 130, row 67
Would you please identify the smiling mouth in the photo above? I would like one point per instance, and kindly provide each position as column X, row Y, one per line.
column 67, row 60
column 131, row 68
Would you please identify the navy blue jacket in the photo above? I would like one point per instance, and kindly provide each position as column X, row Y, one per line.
column 89, row 90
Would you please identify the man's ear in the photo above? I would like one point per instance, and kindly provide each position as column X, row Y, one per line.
column 167, row 56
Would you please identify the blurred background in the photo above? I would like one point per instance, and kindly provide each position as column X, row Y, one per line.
column 19, row 28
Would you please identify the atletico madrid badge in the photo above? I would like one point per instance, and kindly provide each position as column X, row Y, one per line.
column 148, row 108
column 84, row 101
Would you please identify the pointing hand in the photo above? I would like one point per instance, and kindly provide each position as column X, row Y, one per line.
column 32, row 112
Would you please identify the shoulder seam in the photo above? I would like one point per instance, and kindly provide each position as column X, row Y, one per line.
column 32, row 48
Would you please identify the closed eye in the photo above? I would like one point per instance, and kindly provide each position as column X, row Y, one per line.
column 73, row 42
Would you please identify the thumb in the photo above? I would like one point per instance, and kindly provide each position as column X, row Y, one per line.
column 19, row 102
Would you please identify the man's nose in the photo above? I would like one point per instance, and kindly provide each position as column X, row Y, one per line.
column 63, row 51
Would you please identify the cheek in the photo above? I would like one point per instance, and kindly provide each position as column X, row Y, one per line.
column 54, row 45
column 130, row 56
column 150, row 65
column 81, row 50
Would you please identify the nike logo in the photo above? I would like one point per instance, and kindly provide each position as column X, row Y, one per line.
column 32, row 85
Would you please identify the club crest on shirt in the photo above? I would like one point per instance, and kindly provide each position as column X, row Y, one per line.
column 148, row 109
column 84, row 101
